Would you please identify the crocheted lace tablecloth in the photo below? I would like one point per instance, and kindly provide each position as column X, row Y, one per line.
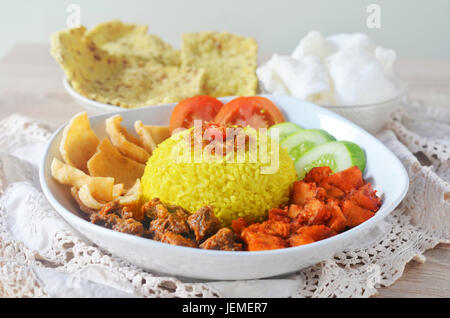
column 42, row 256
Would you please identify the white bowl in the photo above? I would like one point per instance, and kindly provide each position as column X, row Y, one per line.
column 383, row 169
column 90, row 105
column 371, row 117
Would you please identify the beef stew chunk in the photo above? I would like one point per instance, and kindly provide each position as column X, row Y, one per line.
column 115, row 217
column 225, row 240
column 204, row 223
column 170, row 224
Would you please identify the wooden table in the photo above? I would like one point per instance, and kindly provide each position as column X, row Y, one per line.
column 31, row 84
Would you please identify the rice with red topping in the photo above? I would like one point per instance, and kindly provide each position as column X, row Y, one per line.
column 233, row 189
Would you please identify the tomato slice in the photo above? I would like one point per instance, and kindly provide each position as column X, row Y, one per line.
column 195, row 108
column 253, row 111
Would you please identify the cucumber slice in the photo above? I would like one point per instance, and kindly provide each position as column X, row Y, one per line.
column 284, row 129
column 301, row 141
column 338, row 155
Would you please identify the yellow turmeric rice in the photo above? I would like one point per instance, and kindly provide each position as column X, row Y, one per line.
column 233, row 189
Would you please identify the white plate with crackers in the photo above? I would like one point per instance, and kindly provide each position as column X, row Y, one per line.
column 115, row 66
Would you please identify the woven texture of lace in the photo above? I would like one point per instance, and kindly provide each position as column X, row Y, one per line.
column 38, row 248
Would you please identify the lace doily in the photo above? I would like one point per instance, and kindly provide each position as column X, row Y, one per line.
column 42, row 256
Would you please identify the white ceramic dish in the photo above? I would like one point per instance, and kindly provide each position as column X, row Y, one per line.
column 383, row 169
column 372, row 117
column 90, row 105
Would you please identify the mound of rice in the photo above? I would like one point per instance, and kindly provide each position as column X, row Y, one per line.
column 233, row 189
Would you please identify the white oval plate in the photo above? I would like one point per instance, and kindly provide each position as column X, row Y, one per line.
column 383, row 169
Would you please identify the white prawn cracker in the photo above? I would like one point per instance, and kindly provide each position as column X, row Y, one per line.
column 341, row 70
column 303, row 79
column 359, row 78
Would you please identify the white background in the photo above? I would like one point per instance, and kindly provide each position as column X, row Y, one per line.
column 415, row 28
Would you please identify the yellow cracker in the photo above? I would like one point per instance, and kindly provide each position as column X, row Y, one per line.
column 117, row 190
column 229, row 62
column 151, row 136
column 123, row 39
column 126, row 143
column 120, row 80
column 83, row 207
column 109, row 162
column 78, row 142
column 103, row 185
column 133, row 195
column 87, row 198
